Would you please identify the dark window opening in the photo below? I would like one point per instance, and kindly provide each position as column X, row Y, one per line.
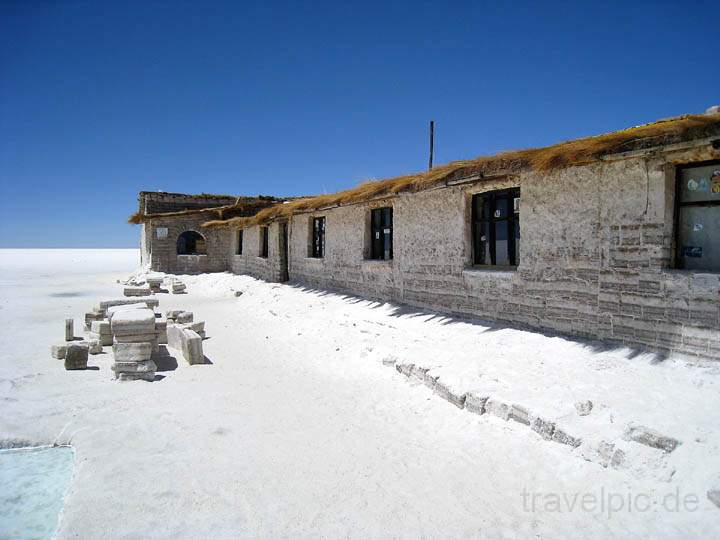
column 496, row 228
column 697, row 217
column 264, row 242
column 191, row 243
column 381, row 233
column 239, row 242
column 318, row 236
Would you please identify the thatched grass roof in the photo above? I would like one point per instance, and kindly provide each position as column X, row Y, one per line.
column 565, row 154
column 243, row 206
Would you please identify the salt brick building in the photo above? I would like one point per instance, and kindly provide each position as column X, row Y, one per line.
column 614, row 237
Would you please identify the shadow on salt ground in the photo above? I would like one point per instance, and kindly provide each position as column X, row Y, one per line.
column 165, row 361
column 484, row 326
column 70, row 294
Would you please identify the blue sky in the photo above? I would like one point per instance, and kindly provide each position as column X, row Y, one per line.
column 99, row 100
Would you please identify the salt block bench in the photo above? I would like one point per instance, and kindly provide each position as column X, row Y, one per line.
column 114, row 309
column 104, row 305
column 188, row 342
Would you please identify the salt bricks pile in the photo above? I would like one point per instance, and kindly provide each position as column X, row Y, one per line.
column 154, row 284
column 135, row 338
column 185, row 335
column 75, row 351
column 135, row 332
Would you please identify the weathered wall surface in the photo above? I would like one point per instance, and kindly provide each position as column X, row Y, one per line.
column 596, row 251
column 145, row 244
column 346, row 247
column 250, row 262
column 163, row 255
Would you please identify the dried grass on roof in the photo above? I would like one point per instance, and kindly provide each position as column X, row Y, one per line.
column 565, row 154
column 243, row 206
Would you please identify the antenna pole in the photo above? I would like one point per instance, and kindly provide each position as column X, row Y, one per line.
column 432, row 143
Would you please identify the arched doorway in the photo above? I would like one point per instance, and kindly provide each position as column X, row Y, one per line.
column 191, row 243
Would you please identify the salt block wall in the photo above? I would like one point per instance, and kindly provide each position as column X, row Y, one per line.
column 595, row 257
column 163, row 251
column 347, row 242
column 250, row 262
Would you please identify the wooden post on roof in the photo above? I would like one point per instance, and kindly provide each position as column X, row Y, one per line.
column 432, row 143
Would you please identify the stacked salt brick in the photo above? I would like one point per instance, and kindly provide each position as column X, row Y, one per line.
column 136, row 291
column 177, row 286
column 100, row 331
column 92, row 316
column 160, row 321
column 75, row 353
column 155, row 283
column 98, row 327
column 99, row 317
column 135, row 338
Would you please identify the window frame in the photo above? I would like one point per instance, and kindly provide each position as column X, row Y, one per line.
column 375, row 253
column 264, row 242
column 678, row 205
column 317, row 246
column 512, row 219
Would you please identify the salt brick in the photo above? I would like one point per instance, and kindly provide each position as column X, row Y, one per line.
column 76, row 357
column 497, row 408
column 69, row 330
column 184, row 317
column 145, row 366
column 146, row 376
column 448, row 394
column 198, row 326
column 112, row 310
column 192, row 348
column 136, row 291
column 100, row 327
column 133, row 321
column 475, row 402
column 132, row 352
column 104, row 305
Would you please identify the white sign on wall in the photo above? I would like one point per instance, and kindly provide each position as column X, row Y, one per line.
column 161, row 232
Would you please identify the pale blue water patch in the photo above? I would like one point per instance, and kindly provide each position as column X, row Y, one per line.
column 33, row 483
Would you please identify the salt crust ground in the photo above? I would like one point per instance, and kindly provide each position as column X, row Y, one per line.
column 297, row 430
